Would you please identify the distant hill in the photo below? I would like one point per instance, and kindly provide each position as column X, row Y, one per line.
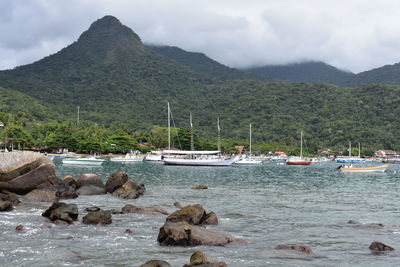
column 388, row 74
column 311, row 71
column 201, row 63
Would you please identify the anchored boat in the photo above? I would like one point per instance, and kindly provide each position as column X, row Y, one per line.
column 351, row 168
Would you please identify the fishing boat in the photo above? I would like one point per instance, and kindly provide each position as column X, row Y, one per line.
column 353, row 169
column 92, row 161
column 129, row 158
column 349, row 158
column 299, row 160
column 248, row 160
column 193, row 157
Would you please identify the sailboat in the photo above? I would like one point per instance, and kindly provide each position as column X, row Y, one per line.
column 248, row 160
column 193, row 157
column 299, row 160
column 349, row 158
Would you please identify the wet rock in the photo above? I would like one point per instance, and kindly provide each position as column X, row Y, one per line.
column 128, row 231
column 90, row 190
column 198, row 258
column 69, row 180
column 45, row 195
column 115, row 181
column 365, row 224
column 130, row 190
column 301, row 249
column 143, row 210
column 156, row 263
column 6, row 206
column 60, row 222
column 200, row 186
column 94, row 208
column 193, row 214
column 19, row 228
column 27, row 182
column 99, row 217
column 379, row 246
column 89, row 179
column 8, row 196
column 62, row 211
column 68, row 195
column 184, row 234
column 178, row 205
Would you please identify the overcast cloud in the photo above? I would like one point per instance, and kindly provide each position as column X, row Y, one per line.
column 355, row 35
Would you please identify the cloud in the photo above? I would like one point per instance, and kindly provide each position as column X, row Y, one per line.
column 354, row 34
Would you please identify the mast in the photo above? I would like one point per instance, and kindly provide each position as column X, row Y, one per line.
column 191, row 134
column 169, row 128
column 301, row 144
column 349, row 148
column 250, row 142
column 219, row 136
column 77, row 119
column 359, row 149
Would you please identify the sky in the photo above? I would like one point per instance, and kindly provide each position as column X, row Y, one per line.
column 353, row 35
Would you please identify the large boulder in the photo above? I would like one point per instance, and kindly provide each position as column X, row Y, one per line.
column 91, row 190
column 143, row 210
column 60, row 211
column 115, row 181
column 184, row 234
column 8, row 196
column 379, row 246
column 130, row 190
column 198, row 258
column 193, row 214
column 6, row 206
column 49, row 194
column 155, row 263
column 27, row 182
column 89, row 179
column 69, row 180
column 99, row 217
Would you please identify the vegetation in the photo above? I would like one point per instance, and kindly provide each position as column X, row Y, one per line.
column 122, row 88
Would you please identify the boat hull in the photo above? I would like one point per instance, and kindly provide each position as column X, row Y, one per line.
column 367, row 169
column 249, row 162
column 82, row 162
column 123, row 160
column 298, row 162
column 197, row 162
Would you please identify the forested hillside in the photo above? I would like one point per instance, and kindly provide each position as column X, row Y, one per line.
column 121, row 84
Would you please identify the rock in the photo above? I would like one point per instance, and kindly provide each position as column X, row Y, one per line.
column 379, row 246
column 60, row 222
column 91, row 190
column 210, row 219
column 46, row 195
column 156, row 263
column 89, row 179
column 191, row 214
column 69, row 180
column 8, row 196
column 99, row 217
column 27, row 182
column 94, row 208
column 68, row 194
column 54, row 181
column 301, row 249
column 129, row 190
column 200, row 186
column 62, row 211
column 115, row 181
column 6, row 206
column 178, row 205
column 143, row 210
column 198, row 258
column 128, row 231
column 19, row 228
column 184, row 234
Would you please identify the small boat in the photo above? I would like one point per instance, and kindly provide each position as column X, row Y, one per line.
column 92, row 160
column 349, row 158
column 154, row 156
column 299, row 160
column 197, row 158
column 353, row 169
column 129, row 158
column 248, row 160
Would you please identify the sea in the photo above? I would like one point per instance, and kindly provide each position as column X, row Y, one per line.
column 267, row 205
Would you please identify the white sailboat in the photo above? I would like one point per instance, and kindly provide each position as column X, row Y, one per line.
column 193, row 157
column 349, row 158
column 299, row 160
column 249, row 160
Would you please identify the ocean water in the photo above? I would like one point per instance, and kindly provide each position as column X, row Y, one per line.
column 267, row 205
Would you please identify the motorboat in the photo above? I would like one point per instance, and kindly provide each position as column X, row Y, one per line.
column 353, row 169
column 129, row 158
column 154, row 156
column 91, row 160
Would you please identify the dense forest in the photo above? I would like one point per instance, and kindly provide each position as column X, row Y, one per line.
column 122, row 88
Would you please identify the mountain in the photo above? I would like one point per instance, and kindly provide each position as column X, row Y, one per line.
column 115, row 79
column 388, row 74
column 311, row 71
column 203, row 64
